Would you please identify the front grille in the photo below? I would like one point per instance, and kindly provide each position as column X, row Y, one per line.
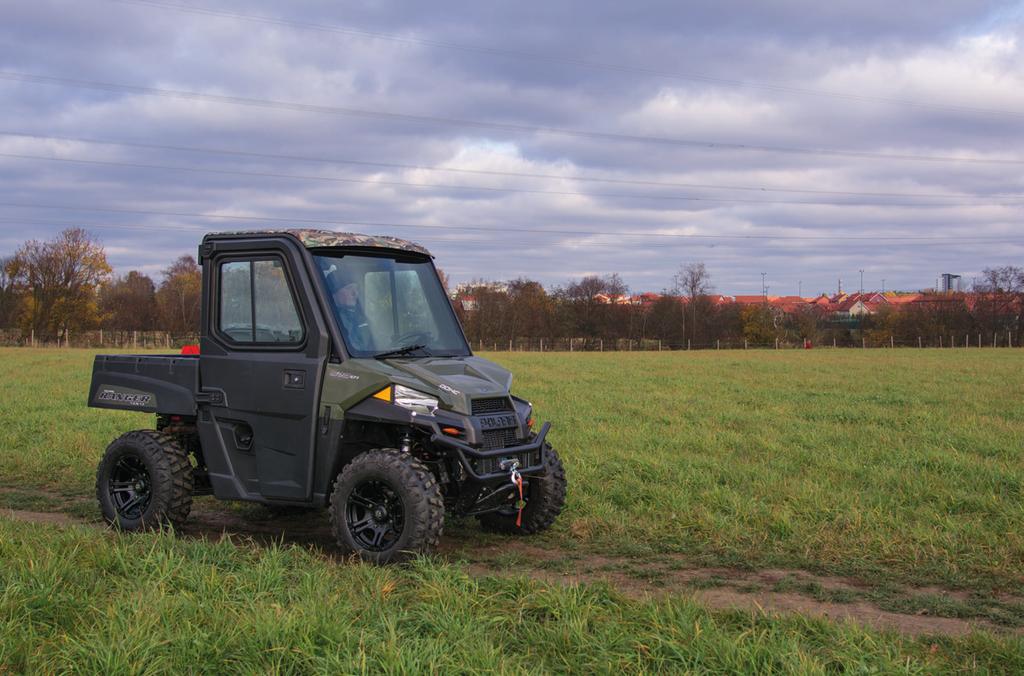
column 492, row 405
column 490, row 465
column 500, row 438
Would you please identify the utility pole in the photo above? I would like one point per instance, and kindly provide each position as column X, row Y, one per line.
column 883, row 284
column 862, row 282
column 764, row 289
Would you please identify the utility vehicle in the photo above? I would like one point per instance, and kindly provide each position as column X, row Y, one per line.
column 331, row 373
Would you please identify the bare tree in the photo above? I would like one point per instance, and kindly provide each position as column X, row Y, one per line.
column 693, row 282
column 999, row 297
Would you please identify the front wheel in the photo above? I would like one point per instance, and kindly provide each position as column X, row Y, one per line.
column 545, row 498
column 386, row 507
column 144, row 481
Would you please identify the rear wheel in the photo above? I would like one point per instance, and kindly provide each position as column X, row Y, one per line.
column 386, row 506
column 545, row 498
column 144, row 481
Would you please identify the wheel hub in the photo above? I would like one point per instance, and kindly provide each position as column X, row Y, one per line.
column 129, row 487
column 374, row 515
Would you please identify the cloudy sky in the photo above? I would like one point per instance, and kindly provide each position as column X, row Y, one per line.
column 801, row 139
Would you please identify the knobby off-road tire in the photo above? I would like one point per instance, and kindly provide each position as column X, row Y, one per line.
column 386, row 490
column 144, row 481
column 545, row 498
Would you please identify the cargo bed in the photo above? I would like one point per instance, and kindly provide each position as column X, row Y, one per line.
column 153, row 383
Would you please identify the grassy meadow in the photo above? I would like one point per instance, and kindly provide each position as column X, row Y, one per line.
column 886, row 466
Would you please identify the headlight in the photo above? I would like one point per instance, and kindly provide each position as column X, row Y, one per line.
column 406, row 397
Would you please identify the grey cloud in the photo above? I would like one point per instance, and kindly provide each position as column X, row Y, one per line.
column 799, row 44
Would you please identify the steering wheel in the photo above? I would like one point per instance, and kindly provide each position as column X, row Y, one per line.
column 410, row 337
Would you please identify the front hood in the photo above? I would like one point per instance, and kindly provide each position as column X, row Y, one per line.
column 455, row 380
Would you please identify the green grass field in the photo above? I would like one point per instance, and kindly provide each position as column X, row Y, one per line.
column 887, row 467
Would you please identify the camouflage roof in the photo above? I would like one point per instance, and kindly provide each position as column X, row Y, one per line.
column 318, row 238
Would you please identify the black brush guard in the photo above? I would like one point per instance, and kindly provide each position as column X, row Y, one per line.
column 464, row 452
column 494, row 499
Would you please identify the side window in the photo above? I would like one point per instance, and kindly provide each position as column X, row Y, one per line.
column 256, row 304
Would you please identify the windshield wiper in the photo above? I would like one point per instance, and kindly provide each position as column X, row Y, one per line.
column 399, row 352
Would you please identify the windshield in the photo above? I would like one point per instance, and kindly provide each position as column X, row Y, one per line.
column 384, row 305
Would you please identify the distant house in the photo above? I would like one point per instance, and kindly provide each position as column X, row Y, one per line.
column 616, row 299
column 645, row 299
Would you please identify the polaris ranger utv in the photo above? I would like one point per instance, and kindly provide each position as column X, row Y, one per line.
column 331, row 373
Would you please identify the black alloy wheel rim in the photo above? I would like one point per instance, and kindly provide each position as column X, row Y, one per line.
column 130, row 487
column 375, row 515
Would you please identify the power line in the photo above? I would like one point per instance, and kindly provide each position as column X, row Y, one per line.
column 583, row 63
column 477, row 124
column 502, row 229
column 491, row 172
column 407, row 184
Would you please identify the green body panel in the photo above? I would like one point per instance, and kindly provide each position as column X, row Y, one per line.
column 455, row 381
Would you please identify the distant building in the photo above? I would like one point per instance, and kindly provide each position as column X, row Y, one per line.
column 950, row 283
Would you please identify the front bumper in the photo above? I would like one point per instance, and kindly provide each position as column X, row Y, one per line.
column 472, row 459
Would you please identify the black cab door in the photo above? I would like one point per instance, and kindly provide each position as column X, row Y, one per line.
column 262, row 357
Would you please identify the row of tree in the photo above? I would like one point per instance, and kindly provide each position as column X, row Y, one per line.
column 66, row 285
column 688, row 314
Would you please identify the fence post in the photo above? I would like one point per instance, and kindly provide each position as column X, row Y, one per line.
column 892, row 343
column 135, row 339
column 718, row 343
column 509, row 344
column 67, row 337
column 33, row 338
column 1009, row 339
column 659, row 344
column 541, row 344
column 919, row 341
column 600, row 344
column 744, row 343
column 687, row 343
column 863, row 342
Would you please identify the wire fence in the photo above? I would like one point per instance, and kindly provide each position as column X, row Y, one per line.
column 969, row 340
column 99, row 338
column 174, row 341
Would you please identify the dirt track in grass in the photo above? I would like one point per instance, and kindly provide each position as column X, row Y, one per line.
column 771, row 591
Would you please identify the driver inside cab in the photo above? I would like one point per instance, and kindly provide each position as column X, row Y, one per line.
column 351, row 317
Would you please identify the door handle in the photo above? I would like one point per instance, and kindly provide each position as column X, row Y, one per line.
column 294, row 379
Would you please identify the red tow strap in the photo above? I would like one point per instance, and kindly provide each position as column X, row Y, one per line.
column 518, row 478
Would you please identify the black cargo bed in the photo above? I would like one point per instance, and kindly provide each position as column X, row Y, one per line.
column 155, row 383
